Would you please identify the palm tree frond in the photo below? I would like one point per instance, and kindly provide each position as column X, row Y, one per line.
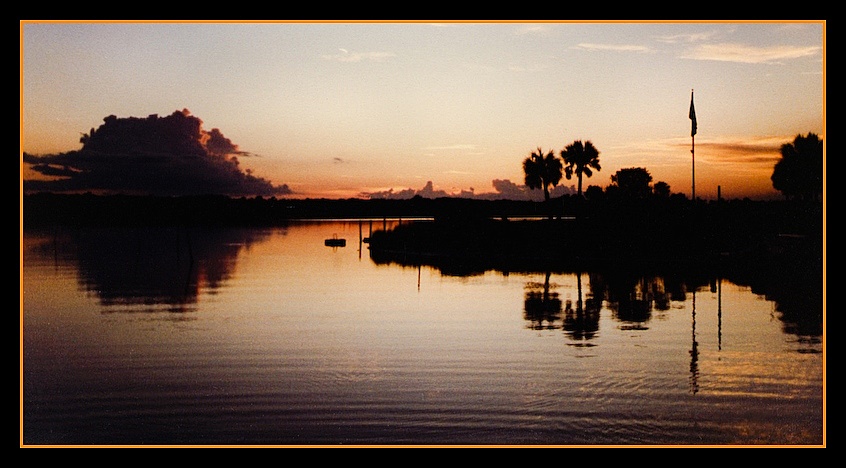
column 579, row 157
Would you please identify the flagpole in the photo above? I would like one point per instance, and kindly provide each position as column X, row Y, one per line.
column 692, row 115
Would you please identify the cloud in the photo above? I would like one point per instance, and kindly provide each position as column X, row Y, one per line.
column 507, row 190
column 748, row 54
column 155, row 155
column 504, row 190
column 428, row 191
column 613, row 47
column 451, row 147
column 533, row 29
column 691, row 37
column 347, row 56
column 765, row 152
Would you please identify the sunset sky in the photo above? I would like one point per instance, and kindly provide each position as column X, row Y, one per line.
column 357, row 109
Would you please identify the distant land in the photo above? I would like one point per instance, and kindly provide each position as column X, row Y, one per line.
column 471, row 234
column 774, row 245
column 91, row 209
column 615, row 227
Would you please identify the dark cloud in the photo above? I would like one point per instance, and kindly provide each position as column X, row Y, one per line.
column 155, row 155
column 505, row 190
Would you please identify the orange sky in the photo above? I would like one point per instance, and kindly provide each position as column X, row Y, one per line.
column 349, row 109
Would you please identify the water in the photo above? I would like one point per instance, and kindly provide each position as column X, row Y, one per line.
column 188, row 336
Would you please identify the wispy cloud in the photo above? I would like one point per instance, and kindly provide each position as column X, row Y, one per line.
column 451, row 147
column 764, row 151
column 753, row 153
column 534, row 68
column 684, row 38
column 613, row 47
column 504, row 190
column 761, row 152
column 533, row 29
column 345, row 55
column 731, row 52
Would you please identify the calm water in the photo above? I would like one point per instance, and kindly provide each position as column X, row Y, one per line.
column 267, row 336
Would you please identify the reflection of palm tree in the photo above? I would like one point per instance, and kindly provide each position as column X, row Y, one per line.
column 541, row 171
column 541, row 305
column 580, row 158
column 583, row 322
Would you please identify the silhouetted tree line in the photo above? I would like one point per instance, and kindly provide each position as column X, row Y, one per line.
column 798, row 175
column 638, row 231
column 220, row 210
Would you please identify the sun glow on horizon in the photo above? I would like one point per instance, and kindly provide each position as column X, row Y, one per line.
column 343, row 110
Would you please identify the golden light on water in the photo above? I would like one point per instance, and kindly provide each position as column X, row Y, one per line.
column 289, row 340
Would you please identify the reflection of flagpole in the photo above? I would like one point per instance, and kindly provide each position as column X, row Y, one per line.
column 579, row 307
column 692, row 115
column 720, row 314
column 694, row 351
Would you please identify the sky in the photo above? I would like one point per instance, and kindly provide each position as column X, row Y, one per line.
column 391, row 109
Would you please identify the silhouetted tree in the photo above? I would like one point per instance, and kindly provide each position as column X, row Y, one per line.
column 580, row 158
column 541, row 171
column 633, row 182
column 799, row 173
column 594, row 192
column 661, row 190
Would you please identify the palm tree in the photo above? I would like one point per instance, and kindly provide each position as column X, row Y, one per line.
column 580, row 159
column 542, row 171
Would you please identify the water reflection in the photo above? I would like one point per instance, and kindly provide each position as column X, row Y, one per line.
column 542, row 307
column 630, row 297
column 305, row 344
column 582, row 323
column 165, row 268
column 633, row 294
column 694, row 351
column 146, row 269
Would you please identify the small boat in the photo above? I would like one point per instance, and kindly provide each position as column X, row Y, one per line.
column 335, row 242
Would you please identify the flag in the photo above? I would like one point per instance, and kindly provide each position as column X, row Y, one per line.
column 692, row 116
